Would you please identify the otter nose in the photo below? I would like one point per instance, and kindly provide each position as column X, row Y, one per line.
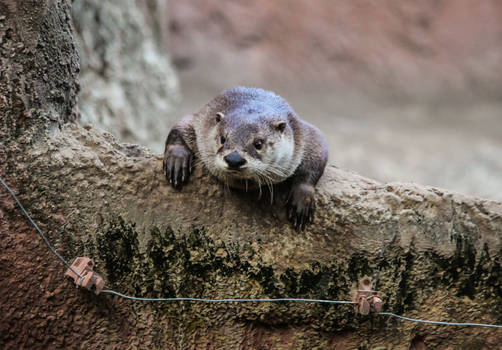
column 234, row 160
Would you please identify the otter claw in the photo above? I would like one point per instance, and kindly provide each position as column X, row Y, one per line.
column 299, row 217
column 300, row 206
column 177, row 159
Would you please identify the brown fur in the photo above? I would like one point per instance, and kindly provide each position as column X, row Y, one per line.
column 250, row 138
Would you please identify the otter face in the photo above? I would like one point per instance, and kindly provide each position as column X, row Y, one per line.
column 259, row 148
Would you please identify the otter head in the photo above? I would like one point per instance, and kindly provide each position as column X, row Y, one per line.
column 249, row 140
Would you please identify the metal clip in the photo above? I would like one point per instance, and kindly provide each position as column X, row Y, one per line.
column 365, row 299
column 89, row 279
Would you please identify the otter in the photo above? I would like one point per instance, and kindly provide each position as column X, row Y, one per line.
column 249, row 138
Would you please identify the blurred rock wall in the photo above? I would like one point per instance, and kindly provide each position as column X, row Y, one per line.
column 426, row 49
column 403, row 90
column 128, row 86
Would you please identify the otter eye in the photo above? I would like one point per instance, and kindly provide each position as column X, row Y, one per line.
column 222, row 139
column 219, row 117
column 258, row 144
column 280, row 126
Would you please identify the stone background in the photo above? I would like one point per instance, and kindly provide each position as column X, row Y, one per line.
column 128, row 86
column 404, row 90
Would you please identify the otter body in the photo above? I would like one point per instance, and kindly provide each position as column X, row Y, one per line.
column 250, row 138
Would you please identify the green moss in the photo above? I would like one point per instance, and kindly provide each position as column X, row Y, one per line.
column 461, row 272
column 117, row 247
column 191, row 264
column 406, row 292
column 358, row 267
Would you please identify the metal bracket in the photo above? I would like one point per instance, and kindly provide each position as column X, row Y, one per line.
column 365, row 299
column 90, row 280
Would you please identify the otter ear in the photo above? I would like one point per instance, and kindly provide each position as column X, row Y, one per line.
column 219, row 116
column 280, row 125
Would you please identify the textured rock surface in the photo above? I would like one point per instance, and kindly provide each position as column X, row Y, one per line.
column 434, row 254
column 127, row 84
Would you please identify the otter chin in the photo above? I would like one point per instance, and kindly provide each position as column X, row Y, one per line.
column 249, row 138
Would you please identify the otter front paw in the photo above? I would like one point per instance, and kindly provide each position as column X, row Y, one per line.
column 177, row 164
column 300, row 205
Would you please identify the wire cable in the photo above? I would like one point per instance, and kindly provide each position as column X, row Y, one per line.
column 251, row 300
column 440, row 322
column 230, row 300
column 38, row 229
